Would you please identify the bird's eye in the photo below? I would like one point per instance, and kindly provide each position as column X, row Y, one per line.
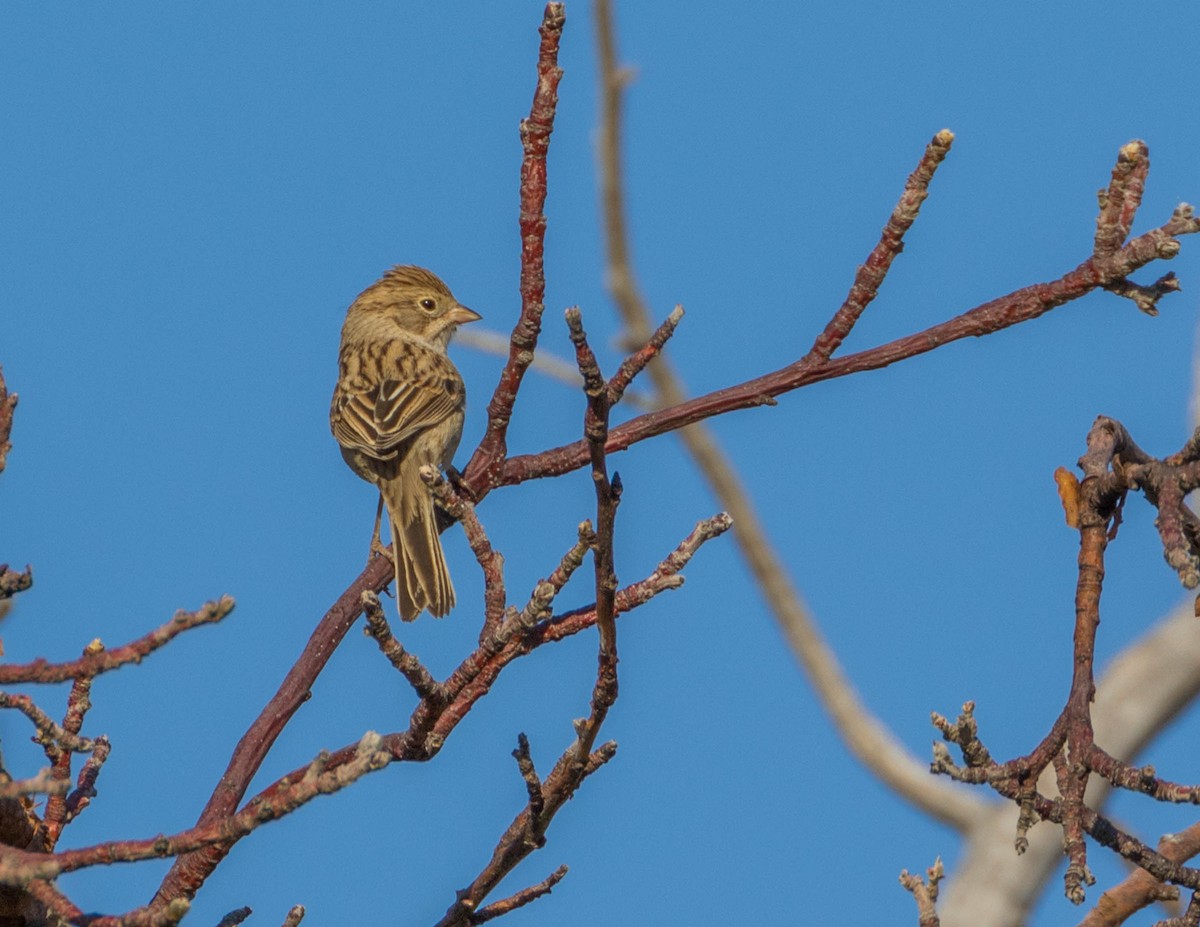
column 428, row 304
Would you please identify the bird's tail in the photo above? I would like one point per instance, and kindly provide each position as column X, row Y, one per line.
column 422, row 580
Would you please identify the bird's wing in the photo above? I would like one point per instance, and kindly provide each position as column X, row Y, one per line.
column 378, row 420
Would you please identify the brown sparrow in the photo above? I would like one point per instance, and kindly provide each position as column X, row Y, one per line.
column 398, row 405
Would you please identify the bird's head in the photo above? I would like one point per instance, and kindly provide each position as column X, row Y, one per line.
column 412, row 299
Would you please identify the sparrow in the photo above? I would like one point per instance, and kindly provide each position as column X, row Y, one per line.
column 398, row 406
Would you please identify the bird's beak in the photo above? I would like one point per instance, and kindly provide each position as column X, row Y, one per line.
column 461, row 315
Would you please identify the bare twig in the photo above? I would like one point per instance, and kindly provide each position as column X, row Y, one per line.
column 78, row 703
column 191, row 869
column 8, row 403
column 608, row 493
column 235, row 917
column 44, row 783
column 1112, row 466
column 458, row 507
column 573, row 559
column 1140, row 889
column 519, row 899
column 319, row 778
column 871, row 272
column 533, row 785
column 535, row 140
column 102, row 661
column 13, row 581
column 996, row 315
column 925, row 893
column 523, row 836
column 165, row 915
column 1120, row 201
column 294, row 916
column 85, row 785
column 408, row 665
column 636, row 362
column 49, row 734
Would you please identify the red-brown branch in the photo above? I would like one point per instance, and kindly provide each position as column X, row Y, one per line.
column 78, row 704
column 490, row 560
column 527, row 831
column 407, row 664
column 519, row 899
column 190, row 870
column 871, row 272
column 1112, row 466
column 1120, row 201
column 8, row 403
column 318, row 778
column 102, row 661
column 535, row 140
column 1017, row 307
column 209, row 841
column 637, row 361
column 431, row 724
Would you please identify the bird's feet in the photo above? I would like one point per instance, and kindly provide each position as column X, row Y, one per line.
column 377, row 550
column 458, row 484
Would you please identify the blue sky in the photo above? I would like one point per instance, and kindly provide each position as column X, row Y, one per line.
column 194, row 193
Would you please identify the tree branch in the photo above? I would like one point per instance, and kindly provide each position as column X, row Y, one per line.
column 535, row 140
column 8, row 404
column 996, row 315
column 102, row 661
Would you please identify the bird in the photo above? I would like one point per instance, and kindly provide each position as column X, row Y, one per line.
column 398, row 406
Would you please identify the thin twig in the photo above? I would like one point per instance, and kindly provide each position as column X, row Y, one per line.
column 319, row 778
column 8, row 404
column 608, row 493
column 515, row 844
column 925, row 893
column 14, row 581
column 85, row 785
column 93, row 664
column 78, row 703
column 535, row 140
column 519, row 899
column 533, row 785
column 1140, row 889
column 1120, row 201
column 636, row 362
column 294, row 916
column 50, row 897
column 234, row 917
column 44, row 783
column 871, row 272
column 190, row 870
column 573, row 559
column 490, row 560
column 49, row 734
column 409, row 666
